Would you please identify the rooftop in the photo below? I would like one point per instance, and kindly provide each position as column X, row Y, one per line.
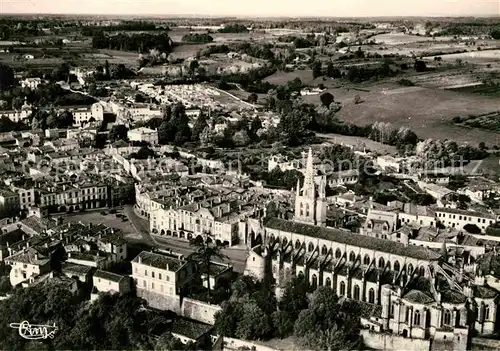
column 158, row 261
column 108, row 276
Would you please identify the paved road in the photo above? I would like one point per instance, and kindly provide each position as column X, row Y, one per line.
column 236, row 256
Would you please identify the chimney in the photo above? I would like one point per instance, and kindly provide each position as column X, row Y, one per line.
column 139, row 259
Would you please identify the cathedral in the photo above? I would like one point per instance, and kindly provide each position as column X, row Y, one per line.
column 405, row 290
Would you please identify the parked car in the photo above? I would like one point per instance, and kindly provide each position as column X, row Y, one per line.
column 124, row 219
column 112, row 211
column 118, row 215
column 103, row 213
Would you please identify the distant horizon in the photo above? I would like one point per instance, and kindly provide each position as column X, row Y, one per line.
column 255, row 8
column 215, row 16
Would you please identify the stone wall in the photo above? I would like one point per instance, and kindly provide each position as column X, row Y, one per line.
column 230, row 344
column 199, row 310
column 393, row 342
column 193, row 309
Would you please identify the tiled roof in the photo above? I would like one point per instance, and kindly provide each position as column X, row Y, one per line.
column 465, row 212
column 29, row 256
column 158, row 261
column 108, row 276
column 189, row 328
column 342, row 237
column 452, row 296
column 75, row 268
column 417, row 296
column 485, row 292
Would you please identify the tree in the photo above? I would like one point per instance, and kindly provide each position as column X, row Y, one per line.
column 17, row 102
column 7, row 79
column 198, row 127
column 204, row 253
column 254, row 323
column 294, row 298
column 241, row 138
column 118, row 132
column 495, row 33
column 420, row 66
column 252, row 98
column 327, row 324
column 255, row 126
column 332, row 71
column 316, row 69
column 326, row 99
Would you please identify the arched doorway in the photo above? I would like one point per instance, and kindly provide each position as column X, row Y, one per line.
column 209, row 240
column 169, row 232
column 218, row 242
column 405, row 333
column 162, row 232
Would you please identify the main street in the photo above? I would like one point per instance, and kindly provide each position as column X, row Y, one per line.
column 235, row 255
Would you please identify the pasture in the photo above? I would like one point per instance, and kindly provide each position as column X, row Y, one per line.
column 281, row 77
column 426, row 111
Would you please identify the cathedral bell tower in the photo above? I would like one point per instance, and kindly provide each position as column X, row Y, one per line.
column 310, row 203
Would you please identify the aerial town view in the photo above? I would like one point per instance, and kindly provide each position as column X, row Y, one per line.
column 259, row 176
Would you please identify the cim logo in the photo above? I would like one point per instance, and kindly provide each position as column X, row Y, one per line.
column 34, row 331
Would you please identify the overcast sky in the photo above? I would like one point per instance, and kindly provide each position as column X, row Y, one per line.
column 334, row 8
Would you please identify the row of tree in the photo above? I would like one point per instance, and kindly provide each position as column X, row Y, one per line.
column 197, row 38
column 137, row 42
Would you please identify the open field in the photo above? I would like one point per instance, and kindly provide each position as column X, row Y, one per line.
column 187, row 50
column 358, row 142
column 490, row 56
column 281, row 77
column 426, row 111
column 402, row 38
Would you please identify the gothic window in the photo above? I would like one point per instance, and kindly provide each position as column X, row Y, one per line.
column 297, row 244
column 422, row 271
column 410, row 268
column 381, row 263
column 396, row 266
column 301, row 209
column 342, row 288
column 285, row 241
column 356, row 292
column 371, row 296
column 324, row 250
column 366, row 260
column 486, row 312
column 314, row 281
column 307, row 210
column 447, row 317
column 352, row 256
column 416, row 318
column 310, row 248
column 338, row 253
column 328, row 282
